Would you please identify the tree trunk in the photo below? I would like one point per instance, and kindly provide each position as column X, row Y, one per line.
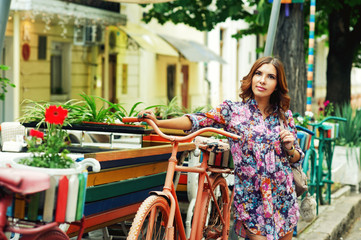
column 340, row 56
column 289, row 47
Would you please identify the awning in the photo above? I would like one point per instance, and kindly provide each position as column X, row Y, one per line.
column 71, row 11
column 193, row 51
column 148, row 40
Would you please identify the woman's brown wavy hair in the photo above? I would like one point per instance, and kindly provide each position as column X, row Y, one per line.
column 280, row 96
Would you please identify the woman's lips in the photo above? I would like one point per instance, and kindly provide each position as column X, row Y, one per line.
column 261, row 88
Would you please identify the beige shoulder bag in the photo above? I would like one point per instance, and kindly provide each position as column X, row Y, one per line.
column 299, row 177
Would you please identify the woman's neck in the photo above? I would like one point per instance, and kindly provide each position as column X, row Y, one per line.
column 263, row 106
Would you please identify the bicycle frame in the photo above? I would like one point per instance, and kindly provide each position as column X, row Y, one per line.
column 169, row 191
column 202, row 196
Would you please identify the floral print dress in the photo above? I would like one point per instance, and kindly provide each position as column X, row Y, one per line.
column 265, row 198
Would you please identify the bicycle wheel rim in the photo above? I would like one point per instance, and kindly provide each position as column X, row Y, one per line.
column 151, row 220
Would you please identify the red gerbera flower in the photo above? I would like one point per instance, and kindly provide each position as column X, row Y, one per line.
column 56, row 115
column 36, row 133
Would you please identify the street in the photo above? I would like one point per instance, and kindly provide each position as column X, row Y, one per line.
column 355, row 231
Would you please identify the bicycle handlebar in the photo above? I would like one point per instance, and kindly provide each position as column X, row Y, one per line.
column 178, row 138
column 328, row 118
column 305, row 129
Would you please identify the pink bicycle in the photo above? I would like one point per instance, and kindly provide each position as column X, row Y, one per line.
column 159, row 216
column 23, row 182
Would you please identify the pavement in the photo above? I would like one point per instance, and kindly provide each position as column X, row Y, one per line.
column 332, row 223
column 334, row 220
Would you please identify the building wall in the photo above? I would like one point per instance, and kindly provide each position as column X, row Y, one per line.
column 239, row 55
column 35, row 73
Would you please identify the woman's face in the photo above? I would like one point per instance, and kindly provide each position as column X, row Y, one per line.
column 264, row 82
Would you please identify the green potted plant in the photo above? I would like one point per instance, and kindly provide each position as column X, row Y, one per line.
column 49, row 150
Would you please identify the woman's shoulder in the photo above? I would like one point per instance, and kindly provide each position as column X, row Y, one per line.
column 233, row 103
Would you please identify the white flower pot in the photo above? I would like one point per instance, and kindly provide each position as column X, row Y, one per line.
column 64, row 200
column 345, row 166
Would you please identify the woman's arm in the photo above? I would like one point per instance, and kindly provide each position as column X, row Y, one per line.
column 182, row 123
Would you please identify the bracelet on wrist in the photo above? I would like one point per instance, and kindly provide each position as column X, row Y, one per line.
column 291, row 151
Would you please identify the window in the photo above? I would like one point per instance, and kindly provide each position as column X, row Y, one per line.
column 171, row 74
column 60, row 73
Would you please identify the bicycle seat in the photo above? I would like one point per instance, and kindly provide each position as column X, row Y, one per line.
column 24, row 181
column 211, row 144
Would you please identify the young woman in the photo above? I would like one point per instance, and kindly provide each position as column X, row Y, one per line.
column 265, row 200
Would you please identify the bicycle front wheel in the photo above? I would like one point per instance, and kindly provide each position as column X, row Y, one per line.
column 151, row 220
column 213, row 228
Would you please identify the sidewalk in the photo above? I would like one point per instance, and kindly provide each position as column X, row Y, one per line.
column 330, row 224
column 333, row 220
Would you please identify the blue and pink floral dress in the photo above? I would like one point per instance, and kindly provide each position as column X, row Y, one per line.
column 265, row 199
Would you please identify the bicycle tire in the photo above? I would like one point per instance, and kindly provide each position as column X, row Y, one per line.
column 158, row 206
column 211, row 222
column 53, row 234
column 325, row 186
column 310, row 169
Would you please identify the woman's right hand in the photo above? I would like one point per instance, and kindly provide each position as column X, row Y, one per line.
column 148, row 114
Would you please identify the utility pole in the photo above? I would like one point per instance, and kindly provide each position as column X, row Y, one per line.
column 272, row 27
column 4, row 15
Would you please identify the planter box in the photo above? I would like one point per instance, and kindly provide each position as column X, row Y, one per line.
column 345, row 168
column 103, row 135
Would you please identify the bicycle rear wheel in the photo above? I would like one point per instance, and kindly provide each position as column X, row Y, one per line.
column 213, row 228
column 151, row 220
column 53, row 234
column 310, row 169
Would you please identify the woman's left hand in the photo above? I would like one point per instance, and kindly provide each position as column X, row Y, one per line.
column 287, row 138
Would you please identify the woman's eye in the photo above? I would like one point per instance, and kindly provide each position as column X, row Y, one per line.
column 257, row 73
column 272, row 77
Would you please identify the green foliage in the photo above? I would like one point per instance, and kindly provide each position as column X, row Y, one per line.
column 51, row 153
column 89, row 112
column 173, row 109
column 170, row 110
column 5, row 83
column 325, row 111
column 34, row 111
column 119, row 111
column 49, row 150
column 303, row 120
column 203, row 15
column 350, row 131
column 90, row 109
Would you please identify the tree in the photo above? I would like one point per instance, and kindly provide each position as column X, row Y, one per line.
column 204, row 15
column 343, row 22
column 339, row 19
column 289, row 46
